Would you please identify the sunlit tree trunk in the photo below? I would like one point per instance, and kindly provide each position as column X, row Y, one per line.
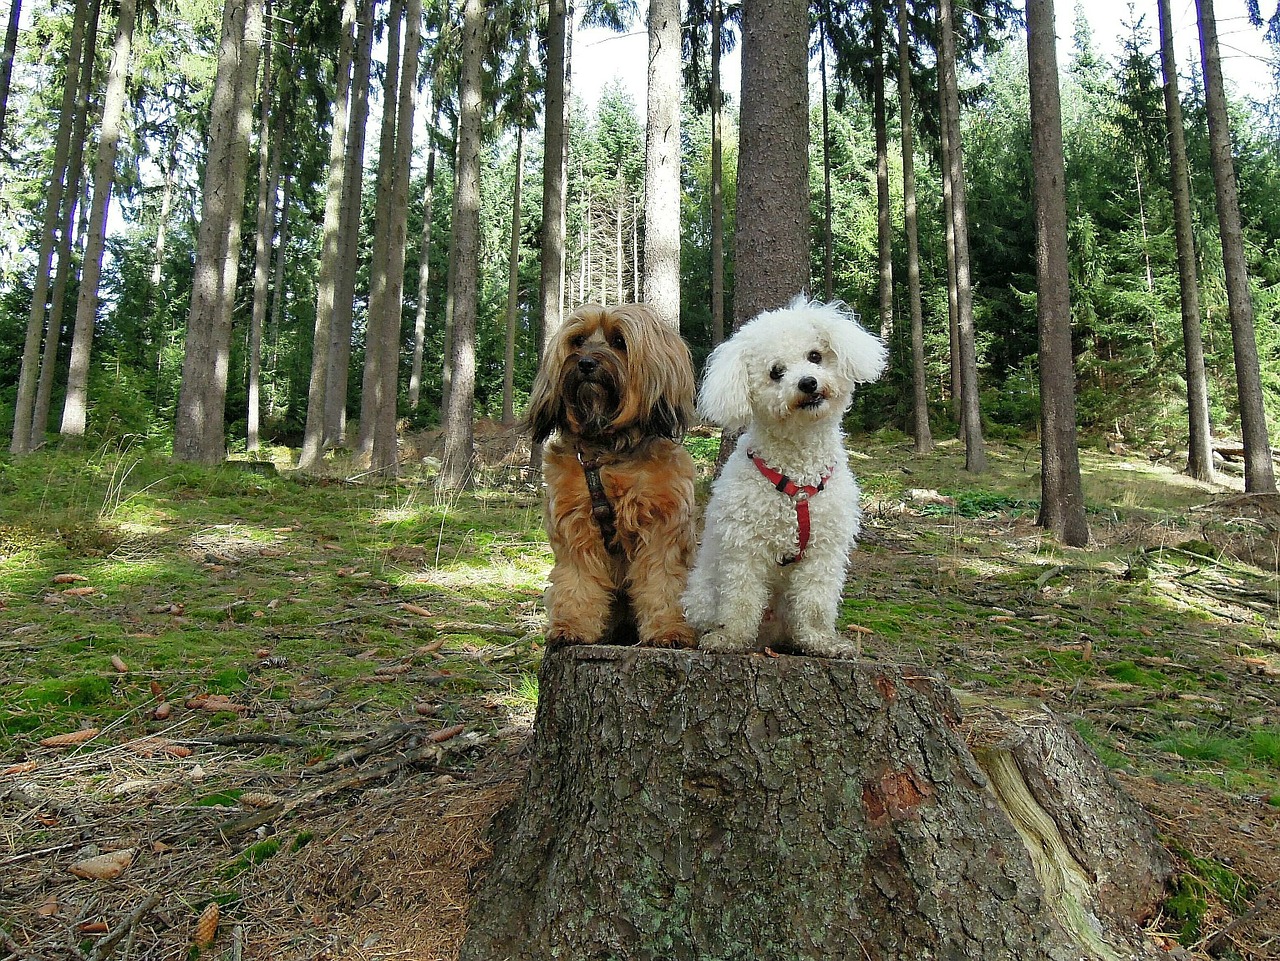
column 270, row 162
column 424, row 269
column 373, row 386
column 279, row 294
column 1061, row 494
column 717, row 178
column 828, row 244
column 21, row 441
column 339, row 364
column 513, row 287
column 1259, row 474
column 70, row 233
column 75, row 408
column 920, row 396
column 459, row 428
column 949, row 235
column 662, row 163
column 884, row 227
column 975, row 460
column 6, row 60
column 1199, row 430
column 313, row 437
column 166, row 210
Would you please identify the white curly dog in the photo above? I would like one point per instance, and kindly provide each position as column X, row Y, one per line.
column 784, row 513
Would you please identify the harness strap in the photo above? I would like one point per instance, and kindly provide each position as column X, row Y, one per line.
column 601, row 508
column 799, row 493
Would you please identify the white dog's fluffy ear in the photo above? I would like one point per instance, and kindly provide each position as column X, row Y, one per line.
column 860, row 356
column 725, row 395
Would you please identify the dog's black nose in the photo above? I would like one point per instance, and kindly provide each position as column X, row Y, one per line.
column 587, row 364
column 808, row 385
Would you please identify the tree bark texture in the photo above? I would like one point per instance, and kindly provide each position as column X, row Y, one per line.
column 771, row 235
column 949, row 234
column 513, row 288
column 884, row 228
column 459, row 424
column 717, row 178
column 828, row 244
column 330, row 245
column 424, row 265
column 1199, row 430
column 21, row 441
column 550, row 281
column 910, row 227
column 76, row 406
column 1061, row 494
column 662, row 164
column 680, row 805
column 1259, row 473
column 6, row 60
column 975, row 455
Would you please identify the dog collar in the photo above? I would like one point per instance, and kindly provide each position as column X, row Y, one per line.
column 799, row 493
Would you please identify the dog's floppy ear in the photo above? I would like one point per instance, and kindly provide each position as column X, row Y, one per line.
column 725, row 396
column 545, row 413
column 861, row 357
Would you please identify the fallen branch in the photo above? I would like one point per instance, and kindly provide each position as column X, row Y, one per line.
column 106, row 947
column 388, row 737
column 235, row 740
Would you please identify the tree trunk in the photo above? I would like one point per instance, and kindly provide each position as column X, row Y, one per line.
column 828, row 244
column 662, row 164
column 513, row 288
column 1199, row 430
column 339, row 364
column 68, row 233
column 949, row 234
column 975, row 458
column 424, row 267
column 373, row 386
column 6, row 60
column 199, row 432
column 386, row 454
column 920, row 396
column 1259, row 474
column 884, row 229
column 1061, row 494
column 21, row 441
column 313, row 435
column 717, row 185
column 662, row 818
column 76, row 405
column 279, row 295
column 166, row 209
column 459, row 428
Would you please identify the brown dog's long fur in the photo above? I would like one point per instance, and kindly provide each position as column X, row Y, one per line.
column 616, row 390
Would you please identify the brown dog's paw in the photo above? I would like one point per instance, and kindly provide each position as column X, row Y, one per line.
column 680, row 638
column 560, row 637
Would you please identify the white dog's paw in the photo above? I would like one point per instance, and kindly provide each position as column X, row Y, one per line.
column 718, row 642
column 830, row 645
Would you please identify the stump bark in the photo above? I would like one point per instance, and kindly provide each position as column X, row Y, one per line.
column 681, row 805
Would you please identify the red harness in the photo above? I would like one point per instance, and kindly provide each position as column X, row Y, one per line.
column 800, row 494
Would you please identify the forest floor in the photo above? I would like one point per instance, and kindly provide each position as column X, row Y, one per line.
column 302, row 700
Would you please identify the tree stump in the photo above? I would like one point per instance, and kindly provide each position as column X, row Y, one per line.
column 680, row 805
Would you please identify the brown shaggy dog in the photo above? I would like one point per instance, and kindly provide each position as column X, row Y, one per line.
column 616, row 390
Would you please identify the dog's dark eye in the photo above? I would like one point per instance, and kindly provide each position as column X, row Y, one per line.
column 776, row 372
column 577, row 341
column 815, row 357
column 619, row 342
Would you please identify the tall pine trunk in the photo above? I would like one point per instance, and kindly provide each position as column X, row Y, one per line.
column 313, row 436
column 270, row 162
column 200, row 428
column 21, row 441
column 662, row 164
column 1061, row 494
column 971, row 425
column 166, row 209
column 910, row 227
column 455, row 472
column 6, row 60
column 1199, row 430
column 75, row 408
column 372, row 388
column 339, row 359
column 828, row 244
column 717, row 178
column 884, row 228
column 513, row 287
column 1259, row 474
column 424, row 267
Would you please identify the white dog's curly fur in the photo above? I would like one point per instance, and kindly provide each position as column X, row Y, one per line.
column 787, row 378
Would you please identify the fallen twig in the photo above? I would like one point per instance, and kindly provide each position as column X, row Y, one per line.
column 385, row 739
column 104, row 948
